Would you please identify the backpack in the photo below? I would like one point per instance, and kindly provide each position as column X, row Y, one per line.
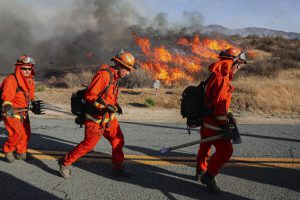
column 78, row 102
column 1, row 100
column 192, row 104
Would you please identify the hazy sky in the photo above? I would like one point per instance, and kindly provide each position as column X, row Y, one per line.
column 273, row 14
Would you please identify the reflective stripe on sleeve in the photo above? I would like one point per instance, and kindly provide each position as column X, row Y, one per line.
column 17, row 116
column 98, row 105
column 98, row 121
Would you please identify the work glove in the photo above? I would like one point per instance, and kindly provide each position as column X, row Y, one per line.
column 231, row 118
column 36, row 107
column 114, row 109
column 8, row 110
column 111, row 108
column 119, row 110
column 227, row 131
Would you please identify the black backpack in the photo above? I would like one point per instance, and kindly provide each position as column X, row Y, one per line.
column 192, row 104
column 78, row 102
column 78, row 106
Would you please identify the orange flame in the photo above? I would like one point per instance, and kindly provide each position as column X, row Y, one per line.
column 144, row 44
column 181, row 64
column 161, row 54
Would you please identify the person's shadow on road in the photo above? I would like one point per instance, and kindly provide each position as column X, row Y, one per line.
column 145, row 176
column 168, row 182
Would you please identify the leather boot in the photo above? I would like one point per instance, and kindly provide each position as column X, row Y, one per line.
column 198, row 175
column 64, row 170
column 9, row 157
column 210, row 183
column 21, row 156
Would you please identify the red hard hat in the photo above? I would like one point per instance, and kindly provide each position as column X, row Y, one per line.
column 25, row 60
column 126, row 59
column 229, row 53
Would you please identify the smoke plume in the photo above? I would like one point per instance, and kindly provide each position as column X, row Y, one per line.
column 78, row 33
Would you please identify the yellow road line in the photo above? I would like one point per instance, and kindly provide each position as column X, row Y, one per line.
column 170, row 160
column 99, row 154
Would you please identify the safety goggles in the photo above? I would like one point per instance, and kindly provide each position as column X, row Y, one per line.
column 27, row 60
column 26, row 69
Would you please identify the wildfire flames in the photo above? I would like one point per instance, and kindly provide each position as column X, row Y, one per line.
column 184, row 62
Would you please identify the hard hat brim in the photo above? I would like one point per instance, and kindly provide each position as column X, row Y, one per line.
column 123, row 63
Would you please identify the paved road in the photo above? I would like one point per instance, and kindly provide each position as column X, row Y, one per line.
column 265, row 166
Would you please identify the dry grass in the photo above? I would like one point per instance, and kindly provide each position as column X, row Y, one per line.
column 166, row 98
column 278, row 95
column 255, row 94
column 269, row 95
column 70, row 80
column 56, row 96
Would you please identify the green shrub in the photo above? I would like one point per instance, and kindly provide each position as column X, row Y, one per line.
column 149, row 102
column 40, row 88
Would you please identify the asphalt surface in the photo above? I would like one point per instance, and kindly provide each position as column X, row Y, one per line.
column 265, row 166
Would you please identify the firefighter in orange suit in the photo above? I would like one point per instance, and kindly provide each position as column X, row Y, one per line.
column 17, row 92
column 101, row 97
column 217, row 101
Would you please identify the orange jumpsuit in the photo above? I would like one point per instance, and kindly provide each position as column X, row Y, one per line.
column 101, row 123
column 217, row 99
column 18, row 127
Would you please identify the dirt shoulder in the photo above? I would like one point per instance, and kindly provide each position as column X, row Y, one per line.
column 163, row 115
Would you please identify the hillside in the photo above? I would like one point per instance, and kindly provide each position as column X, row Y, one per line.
column 268, row 84
column 261, row 32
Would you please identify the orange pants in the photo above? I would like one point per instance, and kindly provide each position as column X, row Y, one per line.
column 18, row 135
column 222, row 154
column 93, row 133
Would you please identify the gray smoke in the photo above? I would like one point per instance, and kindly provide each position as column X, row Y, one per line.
column 15, row 33
column 81, row 32
column 193, row 18
column 160, row 21
column 101, row 27
column 98, row 27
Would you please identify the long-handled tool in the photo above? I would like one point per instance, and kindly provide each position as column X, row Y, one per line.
column 209, row 139
column 49, row 107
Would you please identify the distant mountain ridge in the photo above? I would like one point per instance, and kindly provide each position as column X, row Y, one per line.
column 246, row 31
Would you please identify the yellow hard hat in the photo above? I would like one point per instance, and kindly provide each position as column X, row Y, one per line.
column 126, row 59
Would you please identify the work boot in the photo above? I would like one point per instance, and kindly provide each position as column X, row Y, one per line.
column 121, row 173
column 64, row 170
column 210, row 183
column 9, row 156
column 21, row 156
column 198, row 175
